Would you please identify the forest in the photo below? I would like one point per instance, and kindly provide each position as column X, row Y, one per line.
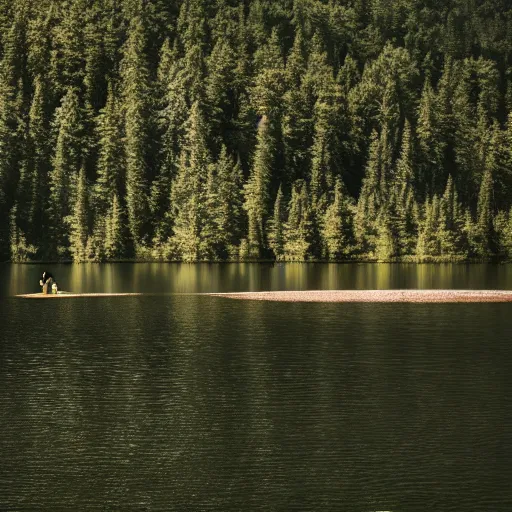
column 223, row 130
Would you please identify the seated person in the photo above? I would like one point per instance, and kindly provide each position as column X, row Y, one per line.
column 46, row 282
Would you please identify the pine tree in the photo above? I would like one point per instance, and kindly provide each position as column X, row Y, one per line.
column 32, row 193
column 298, row 112
column 484, row 225
column 220, row 92
column 371, row 197
column 468, row 165
column 172, row 118
column 275, row 227
column 137, row 108
column 338, row 229
column 229, row 216
column 431, row 147
column 428, row 238
column 298, row 231
column 111, row 158
column 66, row 163
column 451, row 232
column 402, row 204
column 78, row 221
column 20, row 250
column 386, row 243
column 68, row 47
column 114, row 244
column 326, row 158
column 189, row 189
column 9, row 129
column 257, row 190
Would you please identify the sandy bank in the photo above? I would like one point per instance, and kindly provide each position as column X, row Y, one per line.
column 390, row 296
column 65, row 295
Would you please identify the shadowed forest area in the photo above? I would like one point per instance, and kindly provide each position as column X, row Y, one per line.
column 246, row 130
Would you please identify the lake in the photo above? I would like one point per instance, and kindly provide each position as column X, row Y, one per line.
column 188, row 402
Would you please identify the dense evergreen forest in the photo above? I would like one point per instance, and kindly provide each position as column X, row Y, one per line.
column 255, row 129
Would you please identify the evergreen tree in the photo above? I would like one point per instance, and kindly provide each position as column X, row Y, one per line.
column 298, row 230
column 373, row 193
column 114, row 243
column 137, row 108
column 65, row 165
column 229, row 215
column 484, row 225
column 257, row 190
column 431, row 146
column 32, row 194
column 452, row 220
column 338, row 230
column 428, row 238
column 78, row 221
column 402, row 204
column 9, row 129
column 189, row 190
column 276, row 226
column 111, row 158
column 20, row 250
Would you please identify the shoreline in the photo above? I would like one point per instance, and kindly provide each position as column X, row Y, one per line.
column 425, row 261
column 375, row 296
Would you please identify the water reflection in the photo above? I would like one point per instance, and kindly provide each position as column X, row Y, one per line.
column 225, row 405
column 163, row 278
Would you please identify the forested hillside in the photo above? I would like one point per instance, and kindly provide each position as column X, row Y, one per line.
column 257, row 129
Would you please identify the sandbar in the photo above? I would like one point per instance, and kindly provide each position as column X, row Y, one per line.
column 385, row 296
column 67, row 295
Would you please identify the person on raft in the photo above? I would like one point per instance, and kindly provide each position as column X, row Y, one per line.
column 48, row 283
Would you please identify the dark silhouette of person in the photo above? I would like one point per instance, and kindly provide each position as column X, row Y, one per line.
column 47, row 282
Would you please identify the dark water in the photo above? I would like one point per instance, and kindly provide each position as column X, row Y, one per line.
column 166, row 402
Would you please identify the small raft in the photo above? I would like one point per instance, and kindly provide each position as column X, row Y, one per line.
column 70, row 295
column 374, row 296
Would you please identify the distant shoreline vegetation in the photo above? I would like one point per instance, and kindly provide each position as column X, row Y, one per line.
column 405, row 260
column 286, row 130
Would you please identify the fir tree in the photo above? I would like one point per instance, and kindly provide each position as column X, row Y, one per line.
column 66, row 162
column 402, row 204
column 115, row 230
column 428, row 238
column 451, row 232
column 78, row 221
column 276, row 226
column 431, row 148
column 189, row 189
column 229, row 215
column 484, row 225
column 137, row 108
column 338, row 229
column 111, row 158
column 298, row 230
column 257, row 190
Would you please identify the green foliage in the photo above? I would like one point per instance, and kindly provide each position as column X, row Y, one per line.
column 137, row 110
column 78, row 221
column 193, row 183
column 288, row 129
column 338, row 231
column 257, row 189
column 66, row 162
column 298, row 229
column 276, row 227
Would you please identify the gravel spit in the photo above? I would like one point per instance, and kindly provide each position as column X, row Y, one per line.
column 390, row 296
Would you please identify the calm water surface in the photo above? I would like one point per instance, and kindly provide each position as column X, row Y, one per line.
column 169, row 402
